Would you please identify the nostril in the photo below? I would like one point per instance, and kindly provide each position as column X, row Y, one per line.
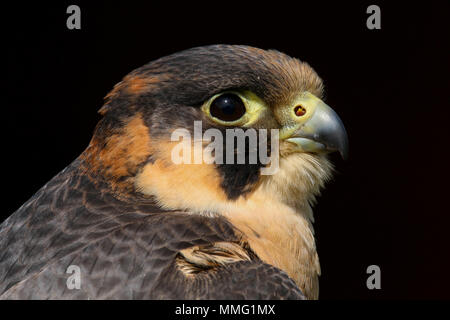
column 299, row 111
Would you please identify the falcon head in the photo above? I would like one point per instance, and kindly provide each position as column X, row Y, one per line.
column 222, row 87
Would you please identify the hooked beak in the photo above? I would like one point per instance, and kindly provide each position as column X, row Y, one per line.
column 314, row 127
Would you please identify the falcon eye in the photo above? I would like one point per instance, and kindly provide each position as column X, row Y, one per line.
column 227, row 107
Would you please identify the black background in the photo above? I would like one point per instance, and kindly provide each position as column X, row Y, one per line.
column 388, row 204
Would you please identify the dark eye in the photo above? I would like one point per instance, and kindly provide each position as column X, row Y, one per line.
column 227, row 107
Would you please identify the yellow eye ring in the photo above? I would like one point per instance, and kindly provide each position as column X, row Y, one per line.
column 252, row 104
column 227, row 107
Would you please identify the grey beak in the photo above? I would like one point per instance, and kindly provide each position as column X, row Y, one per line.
column 323, row 132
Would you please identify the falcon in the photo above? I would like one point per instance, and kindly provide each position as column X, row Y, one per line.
column 129, row 223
